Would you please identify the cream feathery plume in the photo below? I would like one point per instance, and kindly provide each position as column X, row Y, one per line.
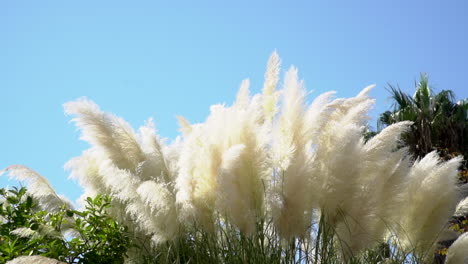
column 457, row 252
column 316, row 115
column 155, row 166
column 209, row 182
column 381, row 178
column 89, row 169
column 269, row 94
column 120, row 182
column 337, row 173
column 184, row 125
column 171, row 157
column 244, row 166
column 34, row 259
column 386, row 141
column 337, row 168
column 85, row 170
column 110, row 133
column 243, row 95
column 161, row 202
column 462, row 208
column 138, row 207
column 241, row 191
column 196, row 183
column 353, row 110
column 290, row 205
column 25, row 232
column 289, row 132
column 432, row 194
column 99, row 175
column 228, row 179
column 38, row 187
column 364, row 93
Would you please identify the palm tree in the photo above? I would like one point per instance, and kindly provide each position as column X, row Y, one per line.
column 439, row 122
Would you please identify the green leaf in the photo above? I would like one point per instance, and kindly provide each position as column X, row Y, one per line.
column 69, row 213
column 34, row 226
column 12, row 199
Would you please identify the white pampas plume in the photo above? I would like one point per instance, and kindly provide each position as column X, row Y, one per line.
column 117, row 163
column 85, row 168
column 112, row 134
column 171, row 157
column 337, row 172
column 458, row 251
column 38, row 187
column 289, row 131
column 353, row 111
column 387, row 140
column 243, row 167
column 432, row 194
column 290, row 207
column 241, row 195
column 462, row 208
column 380, row 182
column 315, row 116
column 205, row 176
column 196, row 183
column 34, row 259
column 25, row 232
column 269, row 94
column 124, row 187
column 364, row 93
column 161, row 203
column 338, row 162
column 185, row 126
column 120, row 182
column 100, row 175
column 243, row 95
column 46, row 230
column 155, row 166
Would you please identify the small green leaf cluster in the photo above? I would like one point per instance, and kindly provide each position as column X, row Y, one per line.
column 73, row 236
column 100, row 238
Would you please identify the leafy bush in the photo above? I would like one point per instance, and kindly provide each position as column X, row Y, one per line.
column 100, row 238
column 88, row 236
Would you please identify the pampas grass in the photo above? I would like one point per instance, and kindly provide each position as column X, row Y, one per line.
column 34, row 259
column 269, row 178
column 38, row 187
column 457, row 253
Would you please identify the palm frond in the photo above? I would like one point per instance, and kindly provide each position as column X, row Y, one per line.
column 400, row 99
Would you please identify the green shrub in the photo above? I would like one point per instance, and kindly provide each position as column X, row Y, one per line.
column 88, row 236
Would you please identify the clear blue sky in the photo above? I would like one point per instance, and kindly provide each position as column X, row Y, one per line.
column 141, row 59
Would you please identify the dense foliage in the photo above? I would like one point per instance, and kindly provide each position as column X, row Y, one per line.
column 87, row 236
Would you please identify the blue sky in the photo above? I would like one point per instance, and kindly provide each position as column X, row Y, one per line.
column 141, row 59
